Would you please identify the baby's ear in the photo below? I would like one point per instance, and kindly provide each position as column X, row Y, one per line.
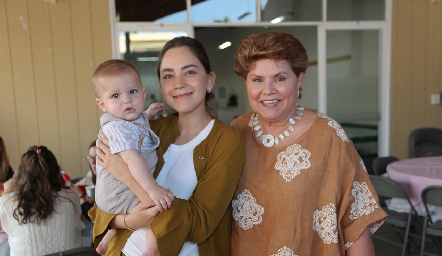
column 144, row 91
column 100, row 104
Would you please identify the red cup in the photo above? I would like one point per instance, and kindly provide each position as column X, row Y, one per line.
column 82, row 188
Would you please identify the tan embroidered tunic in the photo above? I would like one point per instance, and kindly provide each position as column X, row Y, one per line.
column 313, row 197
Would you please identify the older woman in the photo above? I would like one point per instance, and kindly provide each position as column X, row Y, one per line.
column 304, row 189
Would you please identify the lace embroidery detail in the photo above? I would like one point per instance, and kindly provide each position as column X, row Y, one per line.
column 363, row 165
column 374, row 226
column 332, row 123
column 284, row 251
column 292, row 161
column 246, row 211
column 325, row 223
column 364, row 201
column 347, row 245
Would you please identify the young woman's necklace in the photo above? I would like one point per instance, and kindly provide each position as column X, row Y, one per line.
column 269, row 140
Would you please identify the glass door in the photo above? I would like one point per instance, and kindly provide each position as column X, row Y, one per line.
column 352, row 78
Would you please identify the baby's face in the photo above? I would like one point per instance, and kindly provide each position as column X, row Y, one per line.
column 122, row 96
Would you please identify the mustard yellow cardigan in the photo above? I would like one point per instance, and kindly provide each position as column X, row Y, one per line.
column 206, row 217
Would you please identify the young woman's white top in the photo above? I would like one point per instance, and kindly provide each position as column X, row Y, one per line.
column 178, row 174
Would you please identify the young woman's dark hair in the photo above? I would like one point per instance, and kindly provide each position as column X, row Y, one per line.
column 195, row 46
column 37, row 181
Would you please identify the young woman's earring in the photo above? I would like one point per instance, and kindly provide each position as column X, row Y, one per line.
column 297, row 95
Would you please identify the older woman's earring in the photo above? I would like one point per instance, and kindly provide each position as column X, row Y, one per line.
column 297, row 95
column 208, row 90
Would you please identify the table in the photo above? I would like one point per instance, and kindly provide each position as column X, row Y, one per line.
column 415, row 174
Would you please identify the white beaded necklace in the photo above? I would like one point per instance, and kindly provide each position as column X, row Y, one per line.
column 269, row 140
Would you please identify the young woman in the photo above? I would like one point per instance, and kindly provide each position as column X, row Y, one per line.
column 200, row 161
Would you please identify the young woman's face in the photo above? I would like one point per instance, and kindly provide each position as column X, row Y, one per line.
column 184, row 80
column 272, row 89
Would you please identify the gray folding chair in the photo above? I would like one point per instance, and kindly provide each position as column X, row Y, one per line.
column 81, row 251
column 380, row 164
column 426, row 142
column 402, row 221
column 432, row 195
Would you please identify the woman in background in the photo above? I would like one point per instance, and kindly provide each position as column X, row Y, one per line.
column 90, row 179
column 36, row 211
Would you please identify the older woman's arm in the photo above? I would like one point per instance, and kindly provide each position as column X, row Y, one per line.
column 363, row 246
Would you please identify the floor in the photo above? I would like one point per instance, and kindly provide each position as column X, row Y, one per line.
column 385, row 249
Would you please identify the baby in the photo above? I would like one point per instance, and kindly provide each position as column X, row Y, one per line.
column 122, row 97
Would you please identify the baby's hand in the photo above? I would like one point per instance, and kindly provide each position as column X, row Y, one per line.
column 162, row 197
column 154, row 109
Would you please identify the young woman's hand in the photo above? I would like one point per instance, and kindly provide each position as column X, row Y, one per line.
column 113, row 163
column 141, row 215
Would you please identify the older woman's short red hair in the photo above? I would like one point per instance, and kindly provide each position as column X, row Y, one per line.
column 273, row 45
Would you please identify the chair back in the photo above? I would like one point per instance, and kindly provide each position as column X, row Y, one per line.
column 426, row 142
column 389, row 188
column 432, row 195
column 380, row 164
column 81, row 251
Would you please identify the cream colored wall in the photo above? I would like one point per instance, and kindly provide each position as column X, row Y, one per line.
column 416, row 69
column 48, row 53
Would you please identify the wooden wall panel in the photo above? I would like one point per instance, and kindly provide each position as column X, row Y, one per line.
column 417, row 64
column 62, row 38
column 43, row 75
column 46, row 62
column 84, row 68
column 22, row 73
column 8, row 117
column 401, row 107
column 432, row 50
column 416, row 70
column 102, row 39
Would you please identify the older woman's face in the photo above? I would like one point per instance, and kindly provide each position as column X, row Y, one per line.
column 272, row 89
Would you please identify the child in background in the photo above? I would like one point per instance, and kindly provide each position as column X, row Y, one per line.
column 122, row 97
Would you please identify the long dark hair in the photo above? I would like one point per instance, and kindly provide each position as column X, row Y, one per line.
column 4, row 161
column 36, row 180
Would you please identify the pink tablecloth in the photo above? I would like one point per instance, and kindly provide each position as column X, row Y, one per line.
column 414, row 174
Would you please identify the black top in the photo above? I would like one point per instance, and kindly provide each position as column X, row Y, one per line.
column 10, row 173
